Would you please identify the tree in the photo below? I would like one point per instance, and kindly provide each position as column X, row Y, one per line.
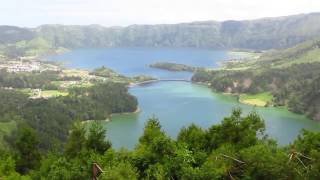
column 96, row 139
column 233, row 149
column 152, row 129
column 306, row 153
column 241, row 131
column 266, row 161
column 28, row 155
column 77, row 141
column 193, row 136
column 120, row 171
column 7, row 167
column 154, row 147
column 220, row 164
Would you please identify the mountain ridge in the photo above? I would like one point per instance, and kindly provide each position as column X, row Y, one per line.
column 260, row 34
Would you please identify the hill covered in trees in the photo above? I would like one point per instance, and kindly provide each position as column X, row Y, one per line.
column 174, row 67
column 292, row 76
column 237, row 148
column 52, row 118
column 264, row 33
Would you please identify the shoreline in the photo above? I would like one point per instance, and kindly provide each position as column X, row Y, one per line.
column 108, row 119
column 138, row 110
column 131, row 85
column 201, row 84
column 134, row 84
column 236, row 95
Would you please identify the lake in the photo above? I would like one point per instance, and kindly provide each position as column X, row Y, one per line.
column 176, row 104
column 135, row 61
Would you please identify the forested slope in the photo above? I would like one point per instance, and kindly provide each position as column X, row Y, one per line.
column 291, row 75
column 255, row 34
column 234, row 149
column 52, row 118
column 264, row 33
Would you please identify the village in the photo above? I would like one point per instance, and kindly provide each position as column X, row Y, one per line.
column 67, row 78
column 35, row 65
column 27, row 64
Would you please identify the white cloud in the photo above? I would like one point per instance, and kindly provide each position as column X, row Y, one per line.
column 125, row 12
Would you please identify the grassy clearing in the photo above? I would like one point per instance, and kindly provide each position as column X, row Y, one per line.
column 71, row 84
column 53, row 93
column 261, row 99
column 244, row 54
column 76, row 72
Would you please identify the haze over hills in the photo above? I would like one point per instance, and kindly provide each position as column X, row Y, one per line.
column 260, row 34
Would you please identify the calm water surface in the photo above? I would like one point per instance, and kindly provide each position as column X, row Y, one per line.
column 176, row 104
column 135, row 61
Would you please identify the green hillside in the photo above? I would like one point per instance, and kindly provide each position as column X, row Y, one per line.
column 254, row 34
column 291, row 75
column 266, row 33
column 306, row 52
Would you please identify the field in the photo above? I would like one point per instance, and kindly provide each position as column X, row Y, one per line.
column 76, row 72
column 244, row 54
column 53, row 93
column 260, row 99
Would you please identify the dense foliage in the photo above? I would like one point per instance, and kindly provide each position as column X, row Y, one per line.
column 234, row 149
column 52, row 118
column 29, row 80
column 104, row 72
column 174, row 66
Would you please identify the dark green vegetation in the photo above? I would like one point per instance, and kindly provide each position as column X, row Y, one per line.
column 174, row 67
column 51, row 118
column 104, row 72
column 110, row 74
column 234, row 149
column 291, row 75
column 29, row 80
column 256, row 34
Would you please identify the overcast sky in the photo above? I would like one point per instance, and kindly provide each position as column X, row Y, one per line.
column 32, row 13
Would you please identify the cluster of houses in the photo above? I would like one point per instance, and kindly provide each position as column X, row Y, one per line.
column 26, row 66
column 19, row 66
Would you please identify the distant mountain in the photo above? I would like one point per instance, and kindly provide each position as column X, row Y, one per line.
column 12, row 34
column 266, row 33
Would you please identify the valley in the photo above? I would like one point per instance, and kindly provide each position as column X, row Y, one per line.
column 230, row 99
column 192, row 103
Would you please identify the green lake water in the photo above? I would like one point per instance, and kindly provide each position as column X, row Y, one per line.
column 176, row 104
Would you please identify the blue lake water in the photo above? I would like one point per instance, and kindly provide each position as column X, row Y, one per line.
column 176, row 104
column 135, row 61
